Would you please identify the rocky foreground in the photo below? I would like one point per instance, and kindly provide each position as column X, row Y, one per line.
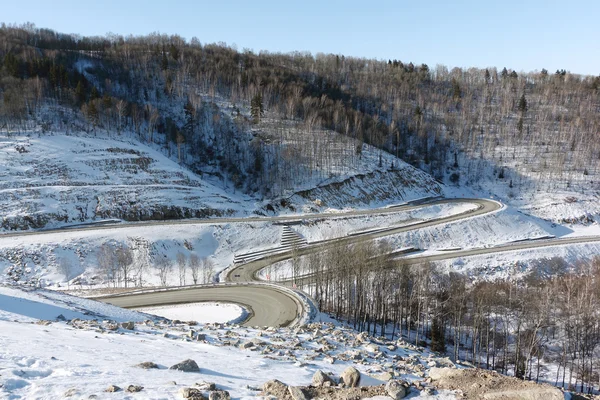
column 372, row 367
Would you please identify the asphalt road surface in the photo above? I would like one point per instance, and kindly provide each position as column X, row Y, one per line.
column 268, row 306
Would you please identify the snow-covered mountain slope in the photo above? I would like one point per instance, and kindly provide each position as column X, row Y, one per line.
column 45, row 358
column 50, row 180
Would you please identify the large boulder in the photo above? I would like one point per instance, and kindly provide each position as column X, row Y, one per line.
column 186, row 366
column 351, row 377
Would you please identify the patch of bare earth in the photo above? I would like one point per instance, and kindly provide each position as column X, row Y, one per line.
column 490, row 385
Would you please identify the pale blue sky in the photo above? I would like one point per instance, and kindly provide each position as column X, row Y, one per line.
column 524, row 35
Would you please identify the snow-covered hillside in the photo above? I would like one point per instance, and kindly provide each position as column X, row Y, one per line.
column 50, row 180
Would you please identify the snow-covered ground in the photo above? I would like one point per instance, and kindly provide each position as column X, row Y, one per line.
column 322, row 229
column 75, row 358
column 41, row 256
column 48, row 181
column 203, row 313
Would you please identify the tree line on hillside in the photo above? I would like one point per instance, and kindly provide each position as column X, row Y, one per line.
column 515, row 326
column 157, row 84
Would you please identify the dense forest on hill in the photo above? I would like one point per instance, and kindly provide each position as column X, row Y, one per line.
column 531, row 130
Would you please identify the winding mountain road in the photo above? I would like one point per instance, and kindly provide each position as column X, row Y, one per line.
column 275, row 305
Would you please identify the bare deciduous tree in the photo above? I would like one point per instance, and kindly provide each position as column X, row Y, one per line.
column 195, row 267
column 163, row 267
column 181, row 260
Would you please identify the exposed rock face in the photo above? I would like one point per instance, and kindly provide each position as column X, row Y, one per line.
column 320, row 378
column 351, row 377
column 490, row 385
column 186, row 366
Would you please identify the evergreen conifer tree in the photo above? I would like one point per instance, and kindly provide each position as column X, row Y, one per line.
column 256, row 108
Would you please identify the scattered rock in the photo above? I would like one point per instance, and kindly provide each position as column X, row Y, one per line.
column 134, row 388
column 186, row 366
column 275, row 388
column 395, row 389
column 372, row 348
column 258, row 342
column 128, row 325
column 296, row 393
column 206, row 386
column 247, row 345
column 329, row 359
column 351, row 377
column 192, row 393
column 362, row 337
column 147, row 365
column 385, row 376
column 71, row 392
column 112, row 389
column 219, row 395
column 320, row 378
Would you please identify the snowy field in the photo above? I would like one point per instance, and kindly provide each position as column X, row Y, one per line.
column 49, row 360
column 202, row 313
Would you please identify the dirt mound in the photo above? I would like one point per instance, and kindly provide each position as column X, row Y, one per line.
column 490, row 385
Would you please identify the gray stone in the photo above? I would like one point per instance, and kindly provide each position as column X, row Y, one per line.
column 275, row 387
column 206, row 386
column 258, row 342
column 395, row 389
column 71, row 392
column 128, row 325
column 134, row 388
column 147, row 365
column 112, row 389
column 296, row 393
column 192, row 393
column 219, row 395
column 186, row 366
column 320, row 377
column 384, row 376
column 351, row 377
